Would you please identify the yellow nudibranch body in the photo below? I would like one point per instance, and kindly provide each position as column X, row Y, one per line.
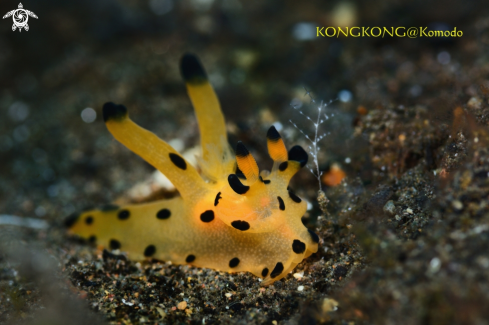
column 230, row 217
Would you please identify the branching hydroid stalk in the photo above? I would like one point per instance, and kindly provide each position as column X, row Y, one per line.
column 314, row 147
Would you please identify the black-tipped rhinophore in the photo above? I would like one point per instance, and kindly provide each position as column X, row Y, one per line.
column 192, row 70
column 236, row 184
column 272, row 134
column 296, row 153
column 112, row 111
column 241, row 150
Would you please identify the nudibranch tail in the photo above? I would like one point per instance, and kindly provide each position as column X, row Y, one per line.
column 135, row 228
column 231, row 218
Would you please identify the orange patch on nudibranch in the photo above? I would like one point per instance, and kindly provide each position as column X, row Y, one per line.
column 264, row 201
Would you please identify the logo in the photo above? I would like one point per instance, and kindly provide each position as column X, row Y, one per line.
column 20, row 17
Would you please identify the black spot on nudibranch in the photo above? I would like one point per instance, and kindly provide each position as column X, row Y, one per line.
column 265, row 181
column 314, row 237
column 264, row 273
column 240, row 225
column 192, row 70
column 281, row 204
column 207, row 216
column 236, row 184
column 89, row 220
column 296, row 153
column 283, row 166
column 114, row 244
column 114, row 112
column 71, row 219
column 163, row 214
column 109, row 207
column 150, row 251
column 216, row 200
column 124, row 215
column 190, row 258
column 298, row 247
column 234, row 262
column 178, row 161
column 294, row 197
column 92, row 239
column 279, row 268
column 239, row 173
column 273, row 135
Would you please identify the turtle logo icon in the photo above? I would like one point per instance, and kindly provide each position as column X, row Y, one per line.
column 20, row 17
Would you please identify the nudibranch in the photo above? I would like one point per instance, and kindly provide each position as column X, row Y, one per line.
column 229, row 217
